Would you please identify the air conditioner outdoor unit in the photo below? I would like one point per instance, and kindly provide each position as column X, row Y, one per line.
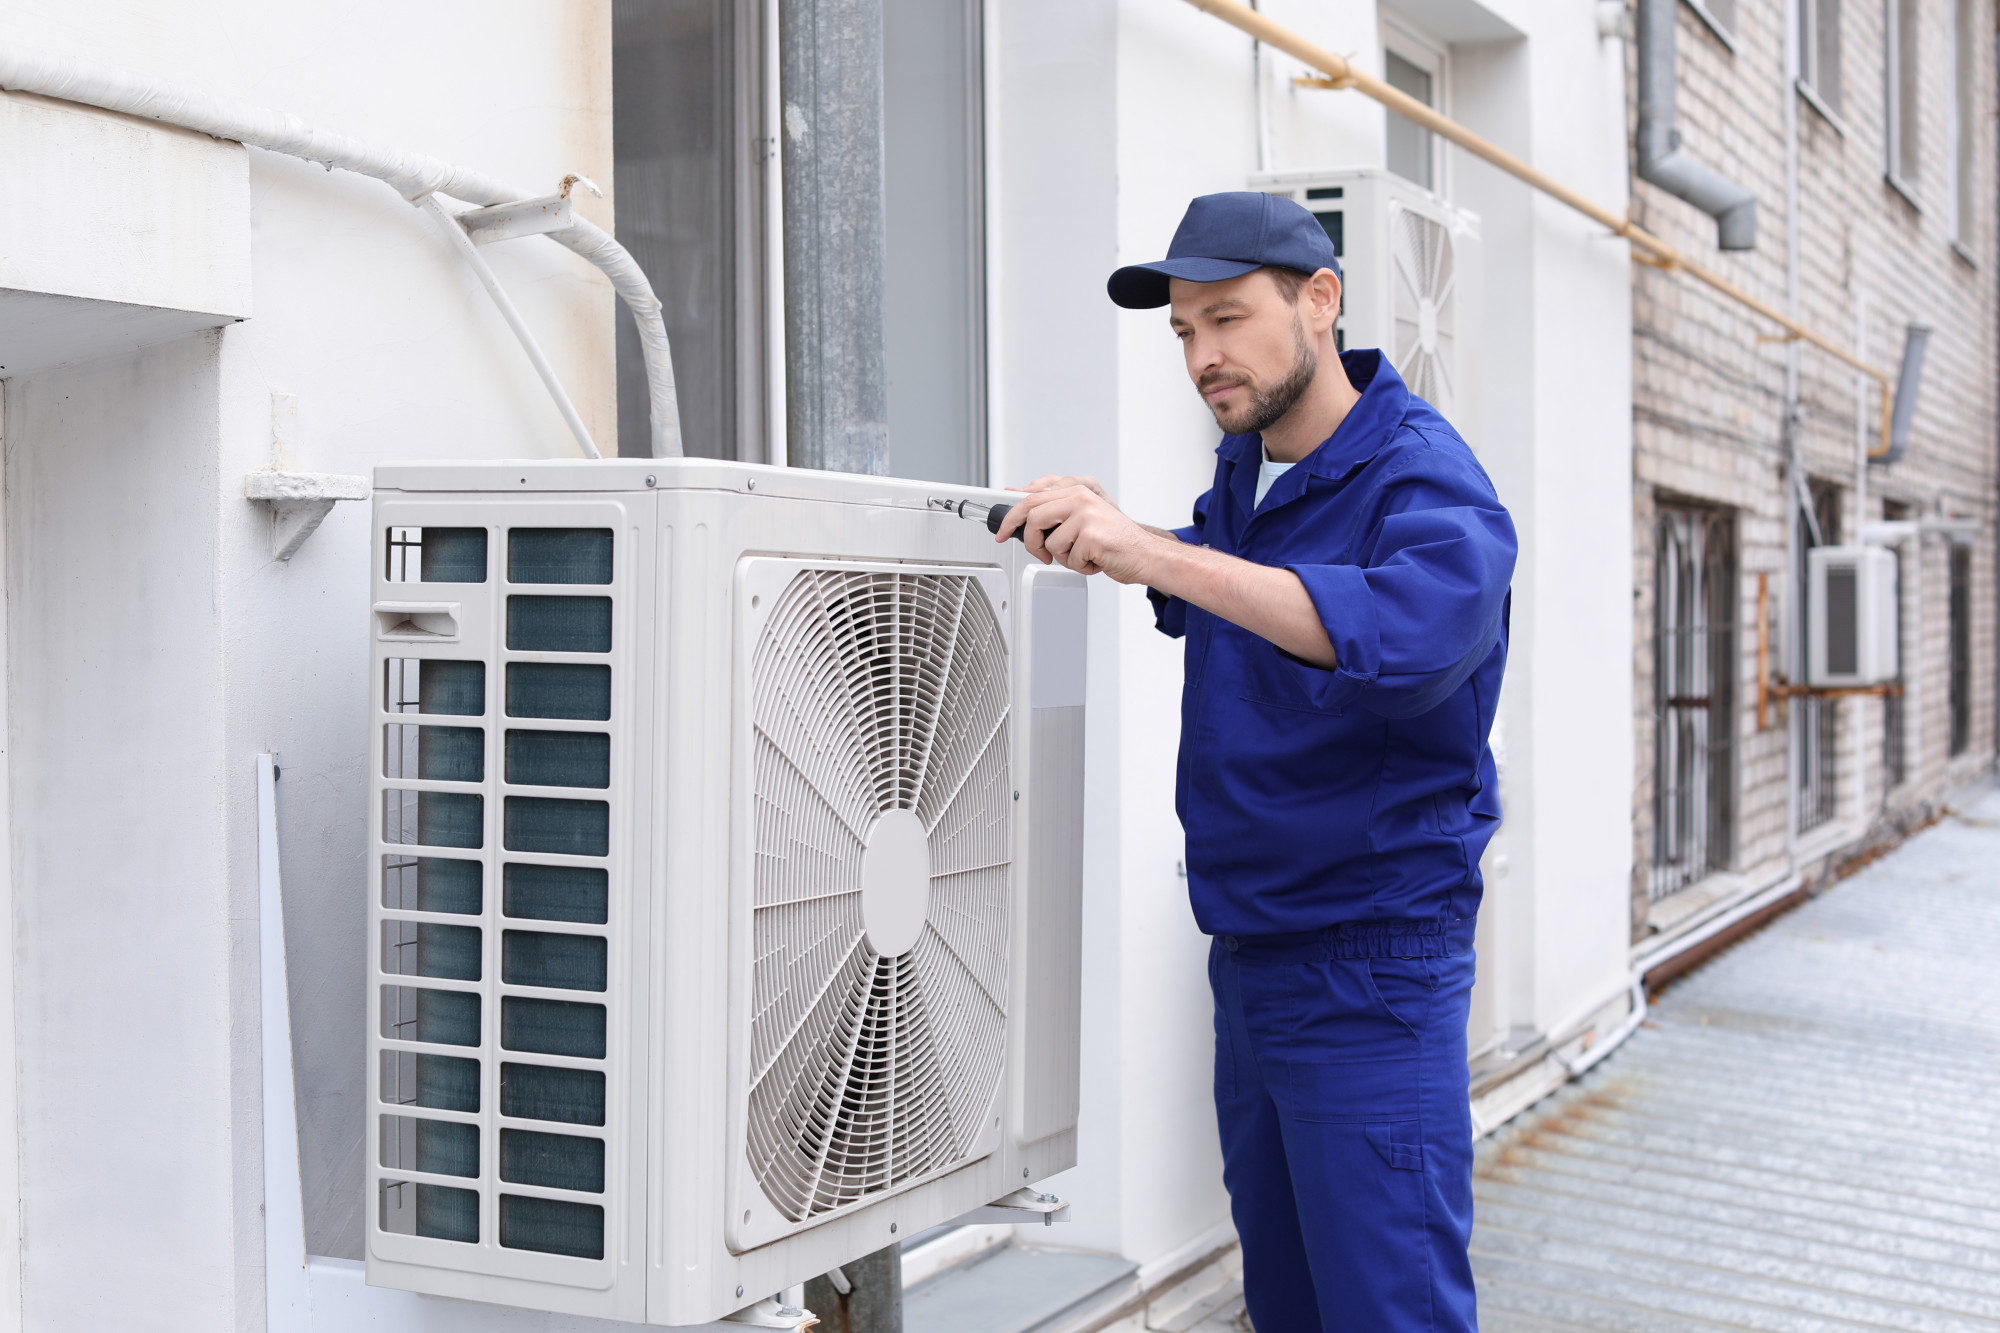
column 1411, row 275
column 1852, row 610
column 726, row 879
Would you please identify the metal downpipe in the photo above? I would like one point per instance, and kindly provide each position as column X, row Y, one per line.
column 1661, row 159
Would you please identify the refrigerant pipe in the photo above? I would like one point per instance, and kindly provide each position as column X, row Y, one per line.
column 412, row 175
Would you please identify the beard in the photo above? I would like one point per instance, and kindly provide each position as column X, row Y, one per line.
column 1268, row 403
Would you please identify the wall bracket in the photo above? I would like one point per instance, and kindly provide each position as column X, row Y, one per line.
column 299, row 502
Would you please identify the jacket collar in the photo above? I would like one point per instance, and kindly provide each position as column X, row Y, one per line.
column 1362, row 433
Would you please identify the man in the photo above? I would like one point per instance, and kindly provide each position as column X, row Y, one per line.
column 1344, row 593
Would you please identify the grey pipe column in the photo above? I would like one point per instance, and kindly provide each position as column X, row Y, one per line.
column 836, row 339
column 1661, row 160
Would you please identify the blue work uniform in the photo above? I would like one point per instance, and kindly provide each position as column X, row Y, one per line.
column 1334, row 822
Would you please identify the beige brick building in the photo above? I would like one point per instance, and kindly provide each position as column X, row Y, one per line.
column 1746, row 449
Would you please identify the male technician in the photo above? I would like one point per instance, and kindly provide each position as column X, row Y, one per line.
column 1343, row 591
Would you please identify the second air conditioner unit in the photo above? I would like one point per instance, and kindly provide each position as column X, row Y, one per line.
column 1411, row 276
column 1852, row 613
column 725, row 881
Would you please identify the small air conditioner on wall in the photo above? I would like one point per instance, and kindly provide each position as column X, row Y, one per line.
column 1411, row 270
column 726, row 879
column 1852, row 614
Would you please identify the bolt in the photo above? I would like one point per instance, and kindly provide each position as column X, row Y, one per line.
column 652, row 480
column 1017, row 796
column 739, row 1291
column 1024, row 1173
column 752, row 483
column 892, row 1228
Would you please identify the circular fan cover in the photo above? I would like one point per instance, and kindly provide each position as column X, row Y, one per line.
column 1425, row 308
column 875, row 693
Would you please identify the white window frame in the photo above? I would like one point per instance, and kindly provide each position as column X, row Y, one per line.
column 1809, row 81
column 1405, row 39
column 1901, row 174
column 1961, row 162
column 1705, row 11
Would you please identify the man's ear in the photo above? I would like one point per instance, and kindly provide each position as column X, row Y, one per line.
column 1322, row 300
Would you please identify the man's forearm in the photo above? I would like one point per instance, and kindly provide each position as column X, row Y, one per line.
column 1269, row 602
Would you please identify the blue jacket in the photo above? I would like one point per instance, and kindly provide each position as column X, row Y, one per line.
column 1365, row 794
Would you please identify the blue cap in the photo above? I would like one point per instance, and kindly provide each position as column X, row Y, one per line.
column 1224, row 236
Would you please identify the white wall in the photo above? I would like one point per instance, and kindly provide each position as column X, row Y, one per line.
column 156, row 647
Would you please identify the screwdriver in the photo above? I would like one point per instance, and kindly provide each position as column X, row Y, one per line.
column 992, row 515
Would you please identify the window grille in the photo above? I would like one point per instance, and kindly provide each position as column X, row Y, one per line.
column 1694, row 672
column 1961, row 649
column 1818, row 728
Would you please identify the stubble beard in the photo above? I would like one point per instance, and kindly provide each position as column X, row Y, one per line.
column 1268, row 406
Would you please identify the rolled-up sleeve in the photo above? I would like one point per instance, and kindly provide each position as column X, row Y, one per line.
column 1170, row 613
column 1423, row 605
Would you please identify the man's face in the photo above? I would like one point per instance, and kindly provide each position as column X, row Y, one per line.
column 1250, row 351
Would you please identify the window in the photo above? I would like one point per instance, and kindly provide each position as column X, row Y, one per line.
column 1694, row 676
column 1902, row 86
column 1960, row 157
column 1819, row 53
column 1961, row 649
column 689, row 152
column 1414, row 64
column 1817, row 733
column 1719, row 15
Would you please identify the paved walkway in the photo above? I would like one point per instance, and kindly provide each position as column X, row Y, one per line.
column 1804, row 1136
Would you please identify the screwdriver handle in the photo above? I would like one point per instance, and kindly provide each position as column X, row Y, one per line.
column 997, row 515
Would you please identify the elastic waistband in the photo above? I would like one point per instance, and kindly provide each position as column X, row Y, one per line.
column 1434, row 938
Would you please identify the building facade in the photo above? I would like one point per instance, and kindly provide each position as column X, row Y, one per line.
column 1865, row 132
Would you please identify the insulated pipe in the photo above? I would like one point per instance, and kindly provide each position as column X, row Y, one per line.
column 1661, row 160
column 1340, row 72
column 412, row 175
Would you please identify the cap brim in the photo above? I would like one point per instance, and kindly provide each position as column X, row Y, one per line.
column 1144, row 286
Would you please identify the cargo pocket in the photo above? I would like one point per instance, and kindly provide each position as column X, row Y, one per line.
column 1398, row 1143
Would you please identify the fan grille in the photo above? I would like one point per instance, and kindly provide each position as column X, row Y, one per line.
column 1424, row 304
column 875, row 691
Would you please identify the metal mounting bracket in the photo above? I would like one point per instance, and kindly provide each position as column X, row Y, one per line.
column 1025, row 1205
column 772, row 1313
column 299, row 502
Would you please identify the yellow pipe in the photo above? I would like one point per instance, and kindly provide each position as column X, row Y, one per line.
column 1341, row 73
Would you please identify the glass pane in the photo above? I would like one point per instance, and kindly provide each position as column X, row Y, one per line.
column 560, row 962
column 427, row 949
column 559, row 758
column 449, row 1017
column 553, row 1161
column 559, row 555
column 552, row 1027
column 434, row 818
column 538, row 1092
column 432, row 884
column 559, row 624
column 441, row 1082
column 554, row 1226
column 420, row 685
column 1410, row 153
column 556, row 893
column 579, row 690
column 550, row 824
column 448, row 754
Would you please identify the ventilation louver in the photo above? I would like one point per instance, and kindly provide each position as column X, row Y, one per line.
column 1424, row 305
column 879, row 989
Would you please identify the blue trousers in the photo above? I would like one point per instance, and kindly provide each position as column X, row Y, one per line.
column 1340, row 1090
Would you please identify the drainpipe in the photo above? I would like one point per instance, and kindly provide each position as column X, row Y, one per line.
column 1661, row 160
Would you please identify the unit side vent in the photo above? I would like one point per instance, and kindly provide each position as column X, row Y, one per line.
column 879, row 702
column 1424, row 305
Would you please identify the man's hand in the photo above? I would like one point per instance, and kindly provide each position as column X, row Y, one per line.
column 1071, row 521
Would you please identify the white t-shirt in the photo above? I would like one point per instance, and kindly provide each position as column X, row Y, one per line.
column 1268, row 474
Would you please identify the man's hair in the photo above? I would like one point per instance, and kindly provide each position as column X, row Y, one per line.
column 1289, row 280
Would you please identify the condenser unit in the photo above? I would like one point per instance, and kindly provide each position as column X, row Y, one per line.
column 1852, row 610
column 1410, row 270
column 725, row 879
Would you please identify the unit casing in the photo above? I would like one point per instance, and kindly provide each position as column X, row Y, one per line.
column 1852, row 616
column 1411, row 277
column 725, row 878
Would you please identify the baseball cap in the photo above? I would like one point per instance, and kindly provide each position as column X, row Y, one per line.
column 1224, row 236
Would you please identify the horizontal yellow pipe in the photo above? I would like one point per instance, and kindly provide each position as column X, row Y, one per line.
column 1341, row 73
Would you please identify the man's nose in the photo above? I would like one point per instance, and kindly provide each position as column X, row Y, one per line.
column 1203, row 355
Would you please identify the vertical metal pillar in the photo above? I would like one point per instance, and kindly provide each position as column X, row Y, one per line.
column 873, row 1301
column 836, row 340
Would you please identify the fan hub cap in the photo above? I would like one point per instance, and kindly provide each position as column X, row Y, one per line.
column 895, row 882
